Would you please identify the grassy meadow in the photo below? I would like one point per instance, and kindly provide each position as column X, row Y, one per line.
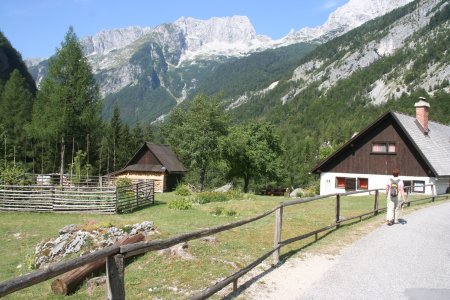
column 153, row 276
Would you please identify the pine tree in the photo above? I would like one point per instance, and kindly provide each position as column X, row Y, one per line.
column 15, row 110
column 68, row 103
column 115, row 136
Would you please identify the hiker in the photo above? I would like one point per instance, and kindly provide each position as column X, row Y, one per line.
column 395, row 194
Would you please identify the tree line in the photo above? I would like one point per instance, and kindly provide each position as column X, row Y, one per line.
column 59, row 130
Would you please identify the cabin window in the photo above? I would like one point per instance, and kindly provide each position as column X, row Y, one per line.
column 418, row 186
column 383, row 147
column 350, row 184
column 363, row 183
column 340, row 182
column 408, row 185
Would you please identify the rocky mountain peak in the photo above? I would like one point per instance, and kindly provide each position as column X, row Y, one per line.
column 345, row 18
column 111, row 39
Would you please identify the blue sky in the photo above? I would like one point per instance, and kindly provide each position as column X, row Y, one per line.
column 37, row 27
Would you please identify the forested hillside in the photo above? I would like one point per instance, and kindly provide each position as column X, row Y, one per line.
column 319, row 116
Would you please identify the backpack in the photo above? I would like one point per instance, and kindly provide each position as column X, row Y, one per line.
column 394, row 187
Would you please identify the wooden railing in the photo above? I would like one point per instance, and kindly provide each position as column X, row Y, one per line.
column 115, row 255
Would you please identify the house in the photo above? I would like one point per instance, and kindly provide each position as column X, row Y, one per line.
column 418, row 147
column 154, row 162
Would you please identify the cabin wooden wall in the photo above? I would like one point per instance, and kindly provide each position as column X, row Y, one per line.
column 358, row 157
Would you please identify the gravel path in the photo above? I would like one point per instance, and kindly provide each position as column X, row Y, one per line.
column 404, row 261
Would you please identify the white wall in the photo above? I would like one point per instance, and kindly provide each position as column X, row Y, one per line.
column 328, row 182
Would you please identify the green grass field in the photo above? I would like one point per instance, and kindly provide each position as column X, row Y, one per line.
column 152, row 276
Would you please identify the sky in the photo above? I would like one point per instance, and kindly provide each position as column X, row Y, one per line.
column 36, row 28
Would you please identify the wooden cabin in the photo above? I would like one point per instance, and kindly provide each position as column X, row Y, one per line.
column 418, row 147
column 154, row 162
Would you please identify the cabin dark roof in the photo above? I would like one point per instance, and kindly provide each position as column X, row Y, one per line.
column 164, row 155
column 167, row 157
column 433, row 147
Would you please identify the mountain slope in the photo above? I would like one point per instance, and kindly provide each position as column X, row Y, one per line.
column 344, row 84
column 10, row 60
column 385, row 54
column 148, row 71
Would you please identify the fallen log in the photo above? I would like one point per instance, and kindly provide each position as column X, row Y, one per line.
column 68, row 282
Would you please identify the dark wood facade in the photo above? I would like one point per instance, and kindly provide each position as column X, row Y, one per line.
column 356, row 156
column 144, row 157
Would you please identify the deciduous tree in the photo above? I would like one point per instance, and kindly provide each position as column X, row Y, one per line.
column 195, row 133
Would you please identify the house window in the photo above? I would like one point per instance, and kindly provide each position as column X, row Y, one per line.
column 349, row 183
column 408, row 186
column 340, row 182
column 418, row 186
column 383, row 147
column 363, row 183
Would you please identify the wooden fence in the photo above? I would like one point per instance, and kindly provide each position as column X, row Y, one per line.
column 115, row 255
column 134, row 196
column 100, row 200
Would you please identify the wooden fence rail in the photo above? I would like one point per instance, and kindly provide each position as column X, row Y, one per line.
column 114, row 255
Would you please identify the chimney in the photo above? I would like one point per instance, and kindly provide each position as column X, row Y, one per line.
column 422, row 108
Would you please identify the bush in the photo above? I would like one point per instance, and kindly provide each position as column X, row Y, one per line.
column 14, row 175
column 207, row 197
column 180, row 204
column 218, row 210
column 182, row 190
column 231, row 212
column 123, row 181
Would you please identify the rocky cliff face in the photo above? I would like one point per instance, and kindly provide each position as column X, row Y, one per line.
column 329, row 71
column 108, row 40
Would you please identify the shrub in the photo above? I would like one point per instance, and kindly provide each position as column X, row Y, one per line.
column 207, row 197
column 14, row 175
column 123, row 181
column 231, row 212
column 234, row 195
column 218, row 210
column 180, row 204
column 182, row 190
column 127, row 228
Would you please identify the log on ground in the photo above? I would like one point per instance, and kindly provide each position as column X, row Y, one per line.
column 68, row 282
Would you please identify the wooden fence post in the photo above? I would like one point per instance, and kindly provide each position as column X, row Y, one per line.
column 338, row 209
column 277, row 237
column 137, row 195
column 433, row 192
column 117, row 200
column 375, row 204
column 115, row 283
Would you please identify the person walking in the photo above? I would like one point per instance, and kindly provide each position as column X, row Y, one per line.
column 395, row 194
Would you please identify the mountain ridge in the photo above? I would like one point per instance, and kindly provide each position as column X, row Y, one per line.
column 171, row 62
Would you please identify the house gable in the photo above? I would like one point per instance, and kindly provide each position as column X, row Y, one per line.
column 358, row 156
column 144, row 157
